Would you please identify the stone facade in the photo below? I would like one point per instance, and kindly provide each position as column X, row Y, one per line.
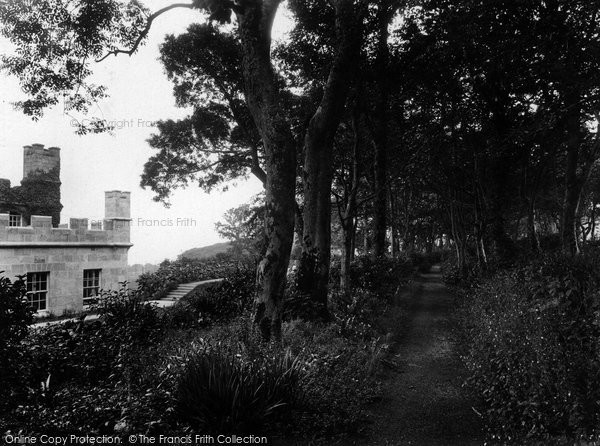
column 62, row 258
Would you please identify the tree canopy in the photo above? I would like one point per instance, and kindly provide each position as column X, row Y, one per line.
column 399, row 126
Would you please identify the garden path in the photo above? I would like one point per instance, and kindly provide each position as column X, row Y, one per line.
column 425, row 402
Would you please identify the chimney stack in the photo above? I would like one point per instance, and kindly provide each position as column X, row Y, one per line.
column 117, row 214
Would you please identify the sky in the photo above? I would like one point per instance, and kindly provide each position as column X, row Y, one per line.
column 140, row 94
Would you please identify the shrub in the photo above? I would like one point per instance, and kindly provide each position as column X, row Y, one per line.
column 150, row 378
column 89, row 353
column 80, row 376
column 140, row 369
column 219, row 303
column 338, row 373
column 15, row 313
column 15, row 317
column 299, row 305
column 472, row 273
column 158, row 284
column 71, row 410
column 378, row 275
column 76, row 353
column 533, row 337
column 451, row 274
column 126, row 311
column 339, row 378
column 356, row 316
column 221, row 392
column 181, row 315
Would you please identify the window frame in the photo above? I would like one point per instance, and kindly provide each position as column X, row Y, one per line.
column 12, row 219
column 37, row 286
column 91, row 286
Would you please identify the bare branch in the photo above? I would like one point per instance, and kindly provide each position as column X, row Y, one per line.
column 145, row 31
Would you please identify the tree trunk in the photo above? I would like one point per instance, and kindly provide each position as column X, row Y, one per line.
column 346, row 258
column 534, row 241
column 394, row 235
column 353, row 249
column 501, row 160
column 569, row 240
column 430, row 240
column 504, row 247
column 593, row 222
column 348, row 218
column 262, row 95
column 385, row 14
column 480, row 223
column 573, row 185
column 459, row 235
column 313, row 274
column 296, row 253
column 366, row 242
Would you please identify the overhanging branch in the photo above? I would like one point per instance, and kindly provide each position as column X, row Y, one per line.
column 146, row 29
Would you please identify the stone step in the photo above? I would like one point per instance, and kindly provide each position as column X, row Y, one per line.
column 186, row 288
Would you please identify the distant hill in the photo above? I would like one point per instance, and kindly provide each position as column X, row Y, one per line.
column 206, row 252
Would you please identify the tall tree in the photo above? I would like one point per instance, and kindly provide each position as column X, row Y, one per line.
column 326, row 81
column 57, row 41
column 69, row 36
column 243, row 227
column 218, row 141
column 386, row 10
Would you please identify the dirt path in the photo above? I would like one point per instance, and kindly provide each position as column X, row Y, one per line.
column 424, row 400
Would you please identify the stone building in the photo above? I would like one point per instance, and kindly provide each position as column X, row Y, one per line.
column 65, row 265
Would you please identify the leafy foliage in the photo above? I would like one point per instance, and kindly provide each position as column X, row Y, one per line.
column 219, row 392
column 220, row 303
column 218, row 141
column 378, row 275
column 533, row 339
column 142, row 369
column 68, row 38
column 244, row 227
column 84, row 362
column 170, row 274
column 340, row 377
column 15, row 317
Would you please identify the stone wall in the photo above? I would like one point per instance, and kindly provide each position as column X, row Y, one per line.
column 41, row 232
column 38, row 159
column 65, row 265
column 117, row 204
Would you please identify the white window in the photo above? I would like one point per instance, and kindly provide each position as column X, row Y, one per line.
column 91, row 285
column 15, row 220
column 37, row 290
